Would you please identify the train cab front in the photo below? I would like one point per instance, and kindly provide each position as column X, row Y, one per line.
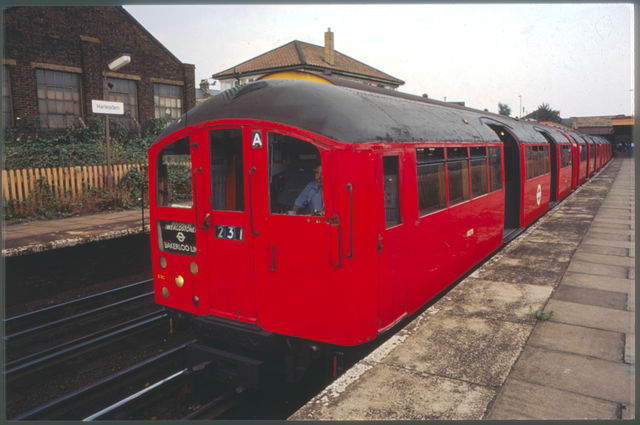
column 246, row 238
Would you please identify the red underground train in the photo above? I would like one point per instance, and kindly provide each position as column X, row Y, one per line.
column 291, row 216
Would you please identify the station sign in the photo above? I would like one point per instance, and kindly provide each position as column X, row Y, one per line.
column 107, row 107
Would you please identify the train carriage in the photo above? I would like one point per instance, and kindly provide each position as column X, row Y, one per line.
column 290, row 213
column 582, row 159
column 560, row 158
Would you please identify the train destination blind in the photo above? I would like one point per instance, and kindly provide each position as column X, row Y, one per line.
column 177, row 237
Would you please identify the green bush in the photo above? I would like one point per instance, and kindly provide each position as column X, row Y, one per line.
column 80, row 145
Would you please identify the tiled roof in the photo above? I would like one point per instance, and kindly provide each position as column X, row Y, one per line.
column 300, row 55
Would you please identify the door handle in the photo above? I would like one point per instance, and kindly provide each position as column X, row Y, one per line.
column 255, row 232
column 272, row 266
column 380, row 244
column 350, row 189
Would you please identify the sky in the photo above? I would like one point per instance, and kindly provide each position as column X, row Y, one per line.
column 578, row 58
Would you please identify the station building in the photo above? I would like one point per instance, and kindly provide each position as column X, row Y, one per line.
column 618, row 129
column 306, row 61
column 55, row 63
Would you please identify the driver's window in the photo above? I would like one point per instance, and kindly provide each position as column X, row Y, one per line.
column 295, row 176
column 174, row 176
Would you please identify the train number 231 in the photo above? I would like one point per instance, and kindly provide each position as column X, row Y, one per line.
column 228, row 232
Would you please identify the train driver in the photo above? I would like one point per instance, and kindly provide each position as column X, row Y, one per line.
column 311, row 197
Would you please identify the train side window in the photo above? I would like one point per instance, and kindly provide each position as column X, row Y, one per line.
column 540, row 161
column 227, row 181
column 458, row 170
column 479, row 183
column 563, row 156
column 293, row 176
column 391, row 176
column 528, row 161
column 537, row 161
column 495, row 168
column 174, row 175
column 431, row 180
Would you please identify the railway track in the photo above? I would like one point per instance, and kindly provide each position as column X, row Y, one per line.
column 142, row 391
column 59, row 348
column 47, row 334
column 81, row 404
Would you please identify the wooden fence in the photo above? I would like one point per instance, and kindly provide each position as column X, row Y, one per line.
column 63, row 182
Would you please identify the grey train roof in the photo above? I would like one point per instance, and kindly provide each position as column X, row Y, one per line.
column 554, row 133
column 353, row 115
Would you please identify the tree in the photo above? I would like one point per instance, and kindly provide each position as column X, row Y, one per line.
column 504, row 109
column 545, row 113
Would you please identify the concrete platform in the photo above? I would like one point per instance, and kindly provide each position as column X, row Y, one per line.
column 479, row 354
column 43, row 235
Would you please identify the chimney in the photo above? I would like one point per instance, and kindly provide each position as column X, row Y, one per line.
column 204, row 86
column 329, row 56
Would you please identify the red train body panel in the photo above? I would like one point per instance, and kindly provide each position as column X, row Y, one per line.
column 414, row 194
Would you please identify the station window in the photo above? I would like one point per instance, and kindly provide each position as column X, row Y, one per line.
column 431, row 180
column 458, row 170
column 125, row 91
column 167, row 101
column 390, row 172
column 295, row 176
column 58, row 98
column 174, row 176
column 495, row 168
column 227, row 183
column 479, row 183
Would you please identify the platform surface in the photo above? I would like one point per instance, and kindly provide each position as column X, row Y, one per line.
column 478, row 353
column 43, row 235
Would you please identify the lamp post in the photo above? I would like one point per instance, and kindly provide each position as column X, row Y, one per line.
column 114, row 65
column 520, row 110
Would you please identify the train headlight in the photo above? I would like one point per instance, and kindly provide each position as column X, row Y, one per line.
column 193, row 268
column 165, row 292
column 163, row 262
column 179, row 281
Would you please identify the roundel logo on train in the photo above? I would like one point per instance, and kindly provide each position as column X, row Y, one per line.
column 539, row 195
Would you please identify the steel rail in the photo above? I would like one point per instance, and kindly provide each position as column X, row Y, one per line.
column 55, row 350
column 77, row 316
column 135, row 396
column 68, row 351
column 83, row 401
column 45, row 314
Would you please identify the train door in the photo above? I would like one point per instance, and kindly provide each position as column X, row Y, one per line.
column 181, row 269
column 289, row 182
column 392, row 237
column 222, row 219
column 553, row 156
column 512, row 179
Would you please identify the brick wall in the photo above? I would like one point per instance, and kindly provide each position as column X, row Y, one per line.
column 83, row 40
